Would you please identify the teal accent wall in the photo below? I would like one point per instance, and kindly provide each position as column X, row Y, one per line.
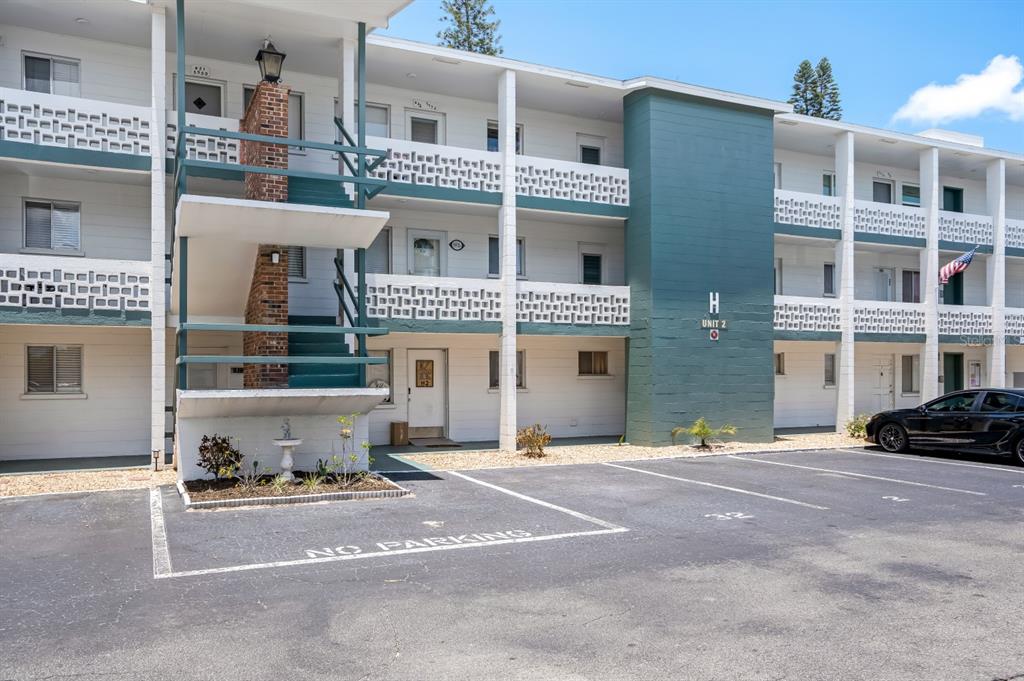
column 701, row 220
column 813, row 232
column 22, row 315
column 81, row 157
column 494, row 328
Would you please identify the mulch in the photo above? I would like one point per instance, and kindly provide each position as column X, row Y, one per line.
column 209, row 490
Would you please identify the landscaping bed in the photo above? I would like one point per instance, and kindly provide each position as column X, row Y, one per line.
column 266, row 487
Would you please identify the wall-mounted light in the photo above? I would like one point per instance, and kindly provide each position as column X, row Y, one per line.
column 270, row 61
column 275, row 257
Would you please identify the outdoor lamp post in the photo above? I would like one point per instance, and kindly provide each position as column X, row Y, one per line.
column 270, row 61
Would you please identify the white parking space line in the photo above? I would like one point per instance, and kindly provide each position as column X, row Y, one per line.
column 723, row 487
column 161, row 555
column 545, row 504
column 162, row 560
column 855, row 475
column 924, row 460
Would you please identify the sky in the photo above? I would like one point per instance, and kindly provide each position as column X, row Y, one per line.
column 906, row 66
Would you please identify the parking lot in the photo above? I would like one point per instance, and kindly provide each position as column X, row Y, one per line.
column 848, row 564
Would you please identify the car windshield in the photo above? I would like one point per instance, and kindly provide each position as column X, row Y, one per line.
column 960, row 402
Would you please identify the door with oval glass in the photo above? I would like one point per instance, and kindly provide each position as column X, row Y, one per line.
column 427, row 254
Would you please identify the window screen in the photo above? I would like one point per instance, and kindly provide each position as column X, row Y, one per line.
column 911, row 374
column 829, row 273
column 296, row 262
column 590, row 155
column 494, row 256
column 830, row 369
column 423, row 130
column 52, row 225
column 52, row 75
column 591, row 268
column 54, row 369
column 378, row 260
column 593, row 363
column 494, row 363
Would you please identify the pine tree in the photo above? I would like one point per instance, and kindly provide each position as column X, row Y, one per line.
column 805, row 85
column 827, row 92
column 468, row 26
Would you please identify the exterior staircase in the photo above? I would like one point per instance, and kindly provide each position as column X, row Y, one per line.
column 319, row 344
column 317, row 193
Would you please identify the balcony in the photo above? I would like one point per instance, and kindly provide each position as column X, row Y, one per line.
column 889, row 219
column 880, row 316
column 965, row 228
column 446, row 299
column 806, row 315
column 965, row 320
column 60, row 125
column 799, row 314
column 58, row 289
column 1014, row 233
column 205, row 147
column 439, row 169
column 807, row 210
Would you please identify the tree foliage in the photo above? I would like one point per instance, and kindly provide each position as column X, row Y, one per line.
column 815, row 91
column 469, row 25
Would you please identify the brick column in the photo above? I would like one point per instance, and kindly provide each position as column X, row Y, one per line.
column 267, row 114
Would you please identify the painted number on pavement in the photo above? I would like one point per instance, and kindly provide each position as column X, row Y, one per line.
column 733, row 515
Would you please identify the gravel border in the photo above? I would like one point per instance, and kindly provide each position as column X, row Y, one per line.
column 396, row 493
column 16, row 485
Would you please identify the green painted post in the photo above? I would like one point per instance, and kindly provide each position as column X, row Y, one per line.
column 179, row 151
column 361, row 306
column 182, row 309
column 361, row 131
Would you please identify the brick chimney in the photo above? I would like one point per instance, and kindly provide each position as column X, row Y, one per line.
column 267, row 114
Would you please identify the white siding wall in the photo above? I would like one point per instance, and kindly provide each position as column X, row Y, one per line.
column 110, row 72
column 113, row 420
column 1015, row 203
column 1014, row 363
column 878, row 366
column 1014, row 282
column 866, row 262
column 554, row 395
column 114, row 217
column 803, row 267
column 801, row 397
column 802, row 172
column 315, row 295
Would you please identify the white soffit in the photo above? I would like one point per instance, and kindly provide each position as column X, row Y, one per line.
column 278, row 402
column 269, row 222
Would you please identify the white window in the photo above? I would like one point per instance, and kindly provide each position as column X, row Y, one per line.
column 778, row 175
column 424, row 126
column 378, row 120
column 910, row 369
column 492, row 137
column 881, row 191
column 379, row 375
column 494, row 256
column 593, row 362
column 828, row 183
column 780, row 364
column 53, row 226
column 830, row 370
column 494, row 371
column 53, row 369
column 52, row 75
column 829, row 275
column 296, row 263
column 778, row 276
column 590, row 149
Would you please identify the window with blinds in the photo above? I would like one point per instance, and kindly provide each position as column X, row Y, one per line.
column 296, row 262
column 494, row 368
column 593, row 363
column 53, row 225
column 52, row 75
column 591, row 268
column 378, row 255
column 53, row 369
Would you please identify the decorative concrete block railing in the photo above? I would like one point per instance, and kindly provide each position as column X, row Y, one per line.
column 877, row 316
column 74, row 123
column 1014, row 233
column 965, row 228
column 437, row 165
column 807, row 210
column 553, row 179
column 68, row 283
column 889, row 219
column 797, row 313
column 205, row 147
column 1015, row 322
column 965, row 320
column 397, row 296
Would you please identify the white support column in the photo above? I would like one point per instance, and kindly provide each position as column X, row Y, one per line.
column 845, row 386
column 157, row 220
column 346, row 109
column 507, row 241
column 995, row 190
column 931, row 203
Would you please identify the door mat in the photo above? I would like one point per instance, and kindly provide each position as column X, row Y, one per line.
column 433, row 442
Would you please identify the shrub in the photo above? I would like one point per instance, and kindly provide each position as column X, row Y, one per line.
column 533, row 438
column 218, row 457
column 702, row 431
column 251, row 478
column 858, row 425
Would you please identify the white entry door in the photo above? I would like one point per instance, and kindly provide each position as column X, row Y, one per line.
column 883, row 392
column 884, row 277
column 427, row 256
column 427, row 390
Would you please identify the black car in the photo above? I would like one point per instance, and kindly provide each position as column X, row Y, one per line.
column 988, row 421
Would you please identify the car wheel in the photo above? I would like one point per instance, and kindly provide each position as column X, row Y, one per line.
column 893, row 438
column 1018, row 450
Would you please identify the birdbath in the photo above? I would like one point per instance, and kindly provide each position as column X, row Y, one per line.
column 287, row 443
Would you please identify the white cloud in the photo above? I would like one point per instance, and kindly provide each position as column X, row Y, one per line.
column 997, row 89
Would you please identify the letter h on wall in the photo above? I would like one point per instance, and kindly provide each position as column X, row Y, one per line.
column 713, row 302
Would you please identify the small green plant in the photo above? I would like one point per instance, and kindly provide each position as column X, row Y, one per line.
column 251, row 478
column 858, row 426
column 533, row 439
column 700, row 430
column 622, row 439
column 312, row 481
column 218, row 457
column 279, row 483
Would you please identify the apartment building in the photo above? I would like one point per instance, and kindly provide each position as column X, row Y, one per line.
column 463, row 243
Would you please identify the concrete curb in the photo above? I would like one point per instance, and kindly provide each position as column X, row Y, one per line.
column 294, row 499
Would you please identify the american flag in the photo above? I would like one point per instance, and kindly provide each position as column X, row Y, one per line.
column 957, row 266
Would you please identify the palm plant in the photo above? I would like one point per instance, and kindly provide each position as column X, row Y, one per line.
column 702, row 431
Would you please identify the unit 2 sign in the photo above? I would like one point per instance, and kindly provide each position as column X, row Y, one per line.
column 712, row 322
